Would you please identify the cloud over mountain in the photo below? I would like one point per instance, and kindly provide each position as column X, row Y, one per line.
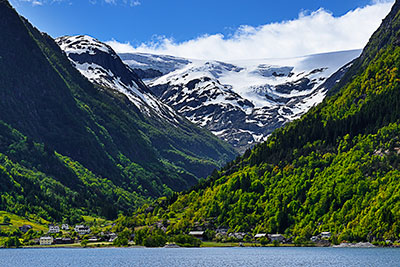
column 310, row 33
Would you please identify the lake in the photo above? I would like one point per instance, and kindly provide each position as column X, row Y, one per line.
column 279, row 256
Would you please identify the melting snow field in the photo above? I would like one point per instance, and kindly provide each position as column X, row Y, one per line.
column 242, row 101
column 270, row 92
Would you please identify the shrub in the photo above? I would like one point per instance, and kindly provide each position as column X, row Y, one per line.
column 121, row 242
column 264, row 241
column 84, row 243
column 155, row 241
column 12, row 242
column 187, row 241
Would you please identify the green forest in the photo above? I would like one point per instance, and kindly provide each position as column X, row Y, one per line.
column 337, row 169
column 334, row 170
column 69, row 148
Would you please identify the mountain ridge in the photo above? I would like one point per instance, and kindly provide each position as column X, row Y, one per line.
column 87, row 142
column 242, row 102
column 336, row 169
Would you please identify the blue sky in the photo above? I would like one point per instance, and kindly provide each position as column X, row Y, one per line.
column 154, row 24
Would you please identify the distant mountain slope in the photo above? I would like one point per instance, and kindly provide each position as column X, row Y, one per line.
column 336, row 169
column 153, row 66
column 242, row 102
column 102, row 66
column 88, row 138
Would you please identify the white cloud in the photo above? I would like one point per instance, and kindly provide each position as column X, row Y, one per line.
column 34, row 2
column 135, row 3
column 131, row 3
column 38, row 2
column 311, row 33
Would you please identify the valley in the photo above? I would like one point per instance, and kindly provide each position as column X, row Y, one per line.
column 141, row 149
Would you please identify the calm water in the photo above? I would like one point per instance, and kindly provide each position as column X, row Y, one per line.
column 201, row 257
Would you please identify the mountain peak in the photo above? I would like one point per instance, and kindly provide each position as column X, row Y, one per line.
column 242, row 102
column 82, row 44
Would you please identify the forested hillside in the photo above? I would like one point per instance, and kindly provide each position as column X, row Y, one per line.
column 68, row 147
column 336, row 169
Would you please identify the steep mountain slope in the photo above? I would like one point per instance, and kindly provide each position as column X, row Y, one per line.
column 243, row 102
column 336, row 169
column 153, row 66
column 102, row 66
column 87, row 137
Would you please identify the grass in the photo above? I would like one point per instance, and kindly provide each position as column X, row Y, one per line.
column 97, row 224
column 96, row 220
column 17, row 221
column 210, row 244
column 75, row 245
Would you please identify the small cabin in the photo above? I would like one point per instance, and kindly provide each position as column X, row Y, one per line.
column 67, row 240
column 197, row 234
column 93, row 239
column 276, row 237
column 326, row 235
column 260, row 235
column 25, row 228
column 112, row 236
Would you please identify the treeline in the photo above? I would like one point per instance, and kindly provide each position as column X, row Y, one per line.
column 68, row 147
column 336, row 169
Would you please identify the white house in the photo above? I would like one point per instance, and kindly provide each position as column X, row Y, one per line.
column 65, row 227
column 239, row 236
column 93, row 239
column 197, row 234
column 46, row 240
column 260, row 235
column 113, row 236
column 82, row 230
column 53, row 229
column 326, row 235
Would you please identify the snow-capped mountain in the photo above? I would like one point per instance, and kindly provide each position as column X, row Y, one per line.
column 242, row 102
column 152, row 66
column 101, row 65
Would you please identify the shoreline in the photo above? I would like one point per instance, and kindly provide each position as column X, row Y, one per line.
column 204, row 245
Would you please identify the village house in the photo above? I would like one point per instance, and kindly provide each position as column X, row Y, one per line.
column 67, row 240
column 260, row 235
column 222, row 231
column 93, row 239
column 53, row 229
column 82, row 229
column 25, row 228
column 57, row 240
column 46, row 240
column 113, row 236
column 65, row 227
column 326, row 235
column 238, row 236
column 276, row 237
column 197, row 234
